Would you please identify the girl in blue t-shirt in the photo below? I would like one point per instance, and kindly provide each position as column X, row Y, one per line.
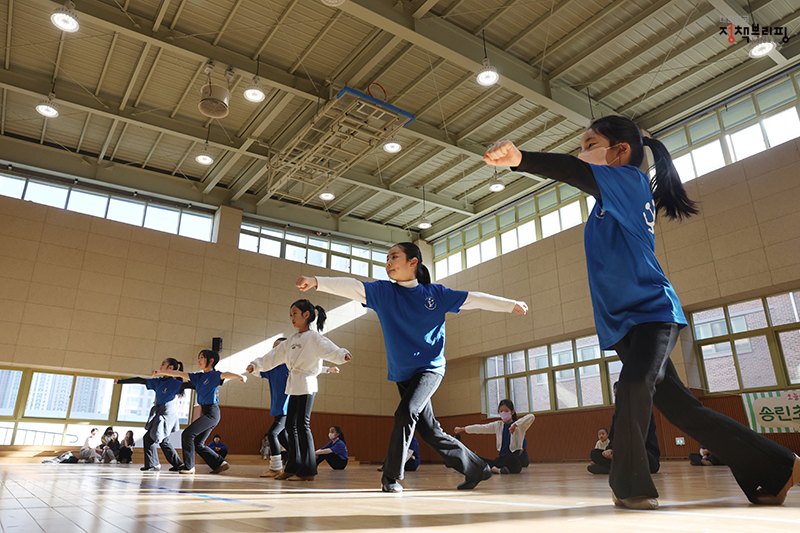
column 412, row 312
column 163, row 419
column 335, row 452
column 206, row 382
column 637, row 312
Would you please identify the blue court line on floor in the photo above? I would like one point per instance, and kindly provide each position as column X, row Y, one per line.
column 206, row 496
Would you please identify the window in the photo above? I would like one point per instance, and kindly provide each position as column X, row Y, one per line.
column 776, row 96
column 12, row 187
column 196, row 226
column 44, row 193
column 782, row 127
column 708, row 158
column 685, row 168
column 126, row 211
column 736, row 114
column 136, row 400
column 317, row 258
column 747, row 142
column 296, row 253
column 676, row 141
column 9, row 388
column 508, row 241
column 454, row 263
column 704, row 128
column 88, row 203
column 563, row 375
column 473, row 256
column 489, row 249
column 342, row 264
column 754, row 344
column 48, row 396
column 37, row 434
column 92, row 398
column 441, row 268
column 161, row 219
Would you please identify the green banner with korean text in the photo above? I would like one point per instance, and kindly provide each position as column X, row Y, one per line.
column 773, row 411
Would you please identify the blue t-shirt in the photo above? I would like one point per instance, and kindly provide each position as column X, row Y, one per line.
column 412, row 320
column 277, row 389
column 338, row 447
column 166, row 388
column 627, row 284
column 206, row 385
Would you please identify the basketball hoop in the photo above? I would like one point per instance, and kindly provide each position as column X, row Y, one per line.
column 377, row 95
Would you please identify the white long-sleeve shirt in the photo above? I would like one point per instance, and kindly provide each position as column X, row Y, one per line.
column 303, row 354
column 496, row 427
column 601, row 444
column 354, row 289
column 91, row 443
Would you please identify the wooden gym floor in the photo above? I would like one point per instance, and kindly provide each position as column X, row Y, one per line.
column 545, row 497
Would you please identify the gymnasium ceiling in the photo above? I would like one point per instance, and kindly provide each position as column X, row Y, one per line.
column 128, row 84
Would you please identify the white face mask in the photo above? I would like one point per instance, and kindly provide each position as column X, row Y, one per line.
column 331, row 436
column 597, row 156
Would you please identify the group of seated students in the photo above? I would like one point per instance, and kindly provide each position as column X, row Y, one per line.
column 107, row 448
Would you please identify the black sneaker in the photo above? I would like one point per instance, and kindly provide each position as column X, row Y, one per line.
column 471, row 483
column 150, row 468
column 177, row 468
column 390, row 485
column 597, row 469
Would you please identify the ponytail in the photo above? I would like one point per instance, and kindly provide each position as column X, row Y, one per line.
column 508, row 403
column 176, row 365
column 412, row 251
column 340, row 432
column 668, row 191
column 321, row 317
column 314, row 312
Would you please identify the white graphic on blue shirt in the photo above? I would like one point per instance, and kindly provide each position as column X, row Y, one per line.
column 651, row 222
column 430, row 303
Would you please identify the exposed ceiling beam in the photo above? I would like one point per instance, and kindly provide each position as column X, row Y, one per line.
column 579, row 31
column 148, row 77
column 9, row 25
column 494, row 16
column 469, row 107
column 651, row 44
column 44, row 130
column 439, row 172
column 456, row 179
column 444, row 39
column 485, row 120
column 58, row 55
column 408, row 89
column 183, row 158
column 189, row 87
column 119, row 140
column 341, row 197
column 152, row 149
column 83, row 130
column 317, row 39
column 452, row 7
column 628, row 27
column 359, row 203
column 225, row 24
column 381, row 46
column 135, row 74
column 177, row 15
column 98, row 14
column 268, row 113
column 104, row 148
column 399, row 56
column 732, row 81
column 248, row 179
column 421, row 8
column 514, row 126
column 444, row 94
column 535, row 25
column 274, row 29
column 375, row 212
column 413, row 168
column 106, row 63
column 354, row 54
column 397, row 157
column 159, row 18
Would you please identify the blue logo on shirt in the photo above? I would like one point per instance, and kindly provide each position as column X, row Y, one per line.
column 430, row 303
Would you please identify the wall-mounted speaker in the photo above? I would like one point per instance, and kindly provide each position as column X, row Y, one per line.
column 216, row 344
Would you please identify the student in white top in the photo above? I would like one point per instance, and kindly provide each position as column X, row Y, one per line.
column 602, row 439
column 302, row 353
column 412, row 312
column 89, row 449
column 510, row 433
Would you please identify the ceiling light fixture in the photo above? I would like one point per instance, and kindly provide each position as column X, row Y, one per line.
column 487, row 76
column 760, row 46
column 65, row 19
column 392, row 145
column 327, row 195
column 496, row 185
column 255, row 92
column 48, row 108
column 424, row 223
column 333, row 3
column 205, row 157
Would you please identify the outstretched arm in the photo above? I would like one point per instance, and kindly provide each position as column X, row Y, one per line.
column 269, row 360
column 346, row 287
column 171, row 373
column 231, row 375
column 487, row 302
column 560, row 167
column 128, row 381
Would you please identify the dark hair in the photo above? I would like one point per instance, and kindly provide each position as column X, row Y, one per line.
column 340, row 432
column 109, row 428
column 130, row 440
column 412, row 251
column 508, row 403
column 176, row 365
column 210, row 355
column 217, row 436
column 314, row 311
column 604, row 429
column 281, row 339
column 93, row 429
column 668, row 192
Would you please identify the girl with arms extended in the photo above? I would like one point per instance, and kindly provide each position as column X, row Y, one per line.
column 302, row 353
column 163, row 419
column 637, row 312
column 206, row 382
column 412, row 313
